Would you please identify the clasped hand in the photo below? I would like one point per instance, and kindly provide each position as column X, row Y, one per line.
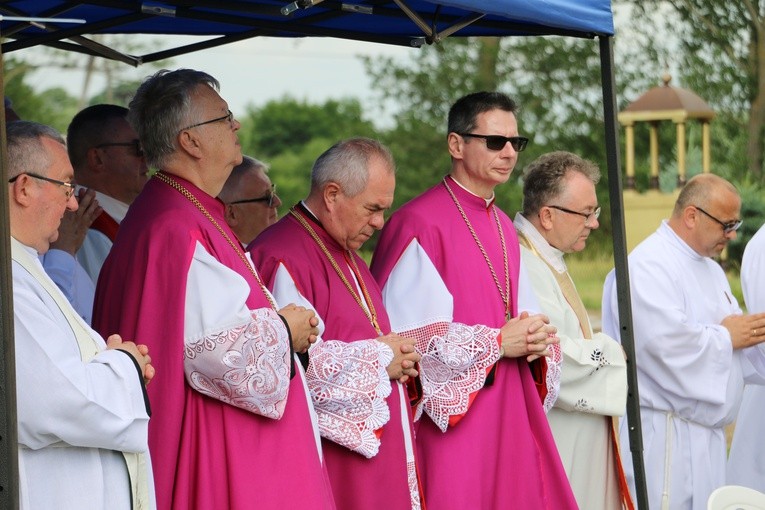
column 139, row 352
column 528, row 335
column 303, row 325
column 404, row 357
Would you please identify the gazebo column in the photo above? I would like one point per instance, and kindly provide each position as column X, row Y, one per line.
column 680, row 154
column 653, row 182
column 629, row 141
column 706, row 157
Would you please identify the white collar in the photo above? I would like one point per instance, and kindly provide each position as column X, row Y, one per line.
column 549, row 253
column 488, row 200
column 113, row 207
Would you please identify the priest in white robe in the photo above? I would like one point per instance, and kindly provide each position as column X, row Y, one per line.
column 694, row 348
column 746, row 462
column 560, row 209
column 82, row 409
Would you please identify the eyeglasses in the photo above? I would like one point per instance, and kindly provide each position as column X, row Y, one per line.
column 269, row 198
column 728, row 227
column 134, row 144
column 69, row 191
column 497, row 143
column 594, row 215
column 229, row 117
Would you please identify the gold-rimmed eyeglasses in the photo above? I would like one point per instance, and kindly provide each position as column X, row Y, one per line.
column 69, row 186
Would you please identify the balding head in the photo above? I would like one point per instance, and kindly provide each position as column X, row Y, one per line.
column 707, row 214
column 246, row 193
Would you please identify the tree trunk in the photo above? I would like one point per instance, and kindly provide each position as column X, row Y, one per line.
column 488, row 55
column 756, row 127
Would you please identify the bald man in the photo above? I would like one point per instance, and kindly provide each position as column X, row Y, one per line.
column 251, row 201
column 694, row 348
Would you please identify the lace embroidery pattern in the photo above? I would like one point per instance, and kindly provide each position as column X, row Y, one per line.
column 247, row 366
column 583, row 406
column 453, row 366
column 554, row 364
column 349, row 384
column 414, row 491
column 600, row 360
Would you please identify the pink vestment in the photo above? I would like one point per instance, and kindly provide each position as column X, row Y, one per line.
column 501, row 454
column 206, row 454
column 386, row 480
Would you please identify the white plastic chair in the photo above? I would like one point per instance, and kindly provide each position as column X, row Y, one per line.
column 736, row 497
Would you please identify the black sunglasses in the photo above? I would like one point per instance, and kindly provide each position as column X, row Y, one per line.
column 134, row 144
column 269, row 197
column 728, row 227
column 497, row 143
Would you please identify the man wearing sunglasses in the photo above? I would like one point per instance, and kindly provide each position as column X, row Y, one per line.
column 694, row 348
column 560, row 210
column 450, row 259
column 110, row 171
column 251, row 201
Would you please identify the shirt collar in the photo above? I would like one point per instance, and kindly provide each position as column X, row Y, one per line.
column 553, row 256
column 488, row 201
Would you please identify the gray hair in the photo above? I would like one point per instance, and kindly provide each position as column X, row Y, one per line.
column 543, row 178
column 161, row 107
column 238, row 174
column 347, row 163
column 25, row 149
column 698, row 191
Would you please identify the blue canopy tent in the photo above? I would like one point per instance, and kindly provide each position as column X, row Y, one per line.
column 411, row 23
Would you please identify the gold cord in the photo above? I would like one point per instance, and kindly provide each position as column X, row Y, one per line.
column 370, row 312
column 238, row 249
column 506, row 294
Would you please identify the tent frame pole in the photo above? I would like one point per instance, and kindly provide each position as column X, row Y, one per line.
column 620, row 264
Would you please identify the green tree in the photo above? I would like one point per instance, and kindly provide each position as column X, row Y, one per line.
column 290, row 134
column 555, row 80
column 286, row 125
column 719, row 49
column 54, row 107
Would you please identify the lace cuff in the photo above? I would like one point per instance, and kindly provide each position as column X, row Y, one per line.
column 455, row 361
column 349, row 383
column 552, row 378
column 247, row 366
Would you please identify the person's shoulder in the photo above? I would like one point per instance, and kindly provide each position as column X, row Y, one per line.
column 281, row 237
column 420, row 209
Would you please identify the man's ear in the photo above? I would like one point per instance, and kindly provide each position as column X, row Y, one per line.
column 330, row 194
column 21, row 191
column 232, row 217
column 456, row 145
column 690, row 216
column 190, row 143
column 545, row 218
column 95, row 161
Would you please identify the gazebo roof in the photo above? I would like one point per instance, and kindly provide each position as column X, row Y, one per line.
column 666, row 103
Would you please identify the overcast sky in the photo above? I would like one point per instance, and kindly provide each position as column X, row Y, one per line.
column 257, row 70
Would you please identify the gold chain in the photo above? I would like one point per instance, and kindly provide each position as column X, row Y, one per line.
column 506, row 294
column 238, row 249
column 370, row 312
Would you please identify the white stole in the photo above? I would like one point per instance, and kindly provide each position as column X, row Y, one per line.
column 136, row 462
